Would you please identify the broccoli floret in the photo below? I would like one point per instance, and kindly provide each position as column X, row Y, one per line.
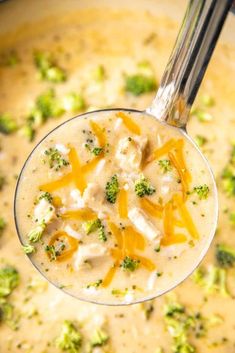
column 9, row 280
column 7, row 124
column 28, row 131
column 112, row 189
column 47, row 196
column 228, row 180
column 202, row 191
column 55, row 159
column 99, row 338
column 99, row 74
column 48, row 68
column 73, row 102
column 95, row 284
column 2, row 225
column 213, row 280
column 143, row 187
column 92, row 226
column 225, row 255
column 48, row 105
column 232, row 218
column 179, row 323
column 165, row 165
column 129, row 264
column 7, row 314
column 200, row 140
column 70, row 339
column 97, row 150
column 28, row 249
column 139, row 84
column 51, row 251
column 36, row 234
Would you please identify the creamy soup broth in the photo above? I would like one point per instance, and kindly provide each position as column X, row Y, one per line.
column 139, row 254
column 39, row 308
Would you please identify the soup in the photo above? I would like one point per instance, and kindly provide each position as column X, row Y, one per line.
column 39, row 313
column 116, row 206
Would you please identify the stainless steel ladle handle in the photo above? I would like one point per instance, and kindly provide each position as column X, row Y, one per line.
column 184, row 72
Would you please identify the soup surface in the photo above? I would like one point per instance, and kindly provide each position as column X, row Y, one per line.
column 199, row 314
column 115, row 206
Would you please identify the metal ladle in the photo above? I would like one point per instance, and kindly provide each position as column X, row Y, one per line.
column 198, row 35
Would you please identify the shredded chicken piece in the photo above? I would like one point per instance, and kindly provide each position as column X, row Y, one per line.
column 88, row 252
column 144, row 225
column 130, row 152
column 44, row 211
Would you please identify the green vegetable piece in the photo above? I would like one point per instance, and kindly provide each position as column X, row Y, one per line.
column 202, row 191
column 92, row 226
column 99, row 338
column 48, row 105
column 228, row 178
column 129, row 264
column 213, row 280
column 70, row 339
column 95, row 284
column 99, row 73
column 28, row 249
column 143, row 187
column 97, row 151
column 225, row 255
column 28, row 131
column 55, row 159
column 112, row 189
column 47, row 196
column 201, row 140
column 9, row 280
column 36, row 234
column 207, row 101
column 7, row 315
column 139, row 84
column 49, row 70
column 7, row 124
column 2, row 225
column 165, row 165
column 73, row 102
column 51, row 251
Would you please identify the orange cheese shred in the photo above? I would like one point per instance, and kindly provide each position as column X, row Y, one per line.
column 129, row 123
column 186, row 217
column 123, row 203
column 135, row 237
column 57, row 184
column 91, row 165
column 151, row 208
column 76, row 170
column 169, row 222
column 181, row 171
column 75, row 176
column 84, row 214
column 175, row 239
column 117, row 234
column 161, row 151
column 99, row 132
column 148, row 264
column 109, row 275
column 73, row 243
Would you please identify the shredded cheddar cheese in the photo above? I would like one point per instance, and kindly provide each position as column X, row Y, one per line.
column 123, row 203
column 73, row 243
column 129, row 123
column 99, row 132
